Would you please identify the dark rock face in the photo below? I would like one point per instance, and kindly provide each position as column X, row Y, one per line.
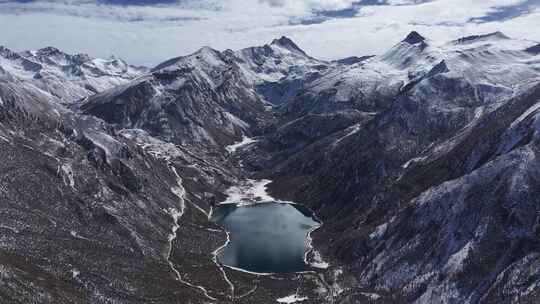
column 422, row 163
column 534, row 49
column 414, row 38
column 352, row 60
column 474, row 38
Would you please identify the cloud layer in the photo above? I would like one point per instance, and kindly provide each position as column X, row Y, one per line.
column 147, row 32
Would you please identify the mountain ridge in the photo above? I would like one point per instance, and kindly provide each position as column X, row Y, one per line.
column 421, row 162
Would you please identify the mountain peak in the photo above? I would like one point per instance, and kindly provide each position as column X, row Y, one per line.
column 287, row 43
column 47, row 51
column 283, row 41
column 207, row 53
column 498, row 34
column 414, row 37
column 8, row 53
column 206, row 49
column 52, row 54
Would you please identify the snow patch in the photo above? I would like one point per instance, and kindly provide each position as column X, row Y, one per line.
column 370, row 295
column 155, row 147
column 75, row 273
column 526, row 114
column 414, row 160
column 317, row 260
column 68, row 171
column 180, row 192
column 379, row 231
column 78, row 236
column 456, row 260
column 236, row 121
column 249, row 192
column 244, row 142
column 295, row 298
column 353, row 130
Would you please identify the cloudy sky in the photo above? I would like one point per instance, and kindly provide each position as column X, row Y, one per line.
column 147, row 32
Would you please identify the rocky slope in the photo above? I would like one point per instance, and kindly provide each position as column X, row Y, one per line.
column 421, row 162
column 88, row 212
column 458, row 100
column 202, row 99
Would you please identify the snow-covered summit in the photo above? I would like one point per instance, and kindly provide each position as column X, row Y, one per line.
column 407, row 52
column 262, row 67
column 204, row 56
column 206, row 66
column 286, row 42
column 493, row 65
column 277, row 61
column 55, row 56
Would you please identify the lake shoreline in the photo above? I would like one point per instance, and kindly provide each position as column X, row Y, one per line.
column 252, row 193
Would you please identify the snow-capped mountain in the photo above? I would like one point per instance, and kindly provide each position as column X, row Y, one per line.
column 491, row 64
column 67, row 77
column 420, row 161
column 424, row 187
column 203, row 98
column 460, row 79
column 279, row 69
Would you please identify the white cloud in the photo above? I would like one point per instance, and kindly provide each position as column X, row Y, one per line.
column 308, row 5
column 150, row 34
